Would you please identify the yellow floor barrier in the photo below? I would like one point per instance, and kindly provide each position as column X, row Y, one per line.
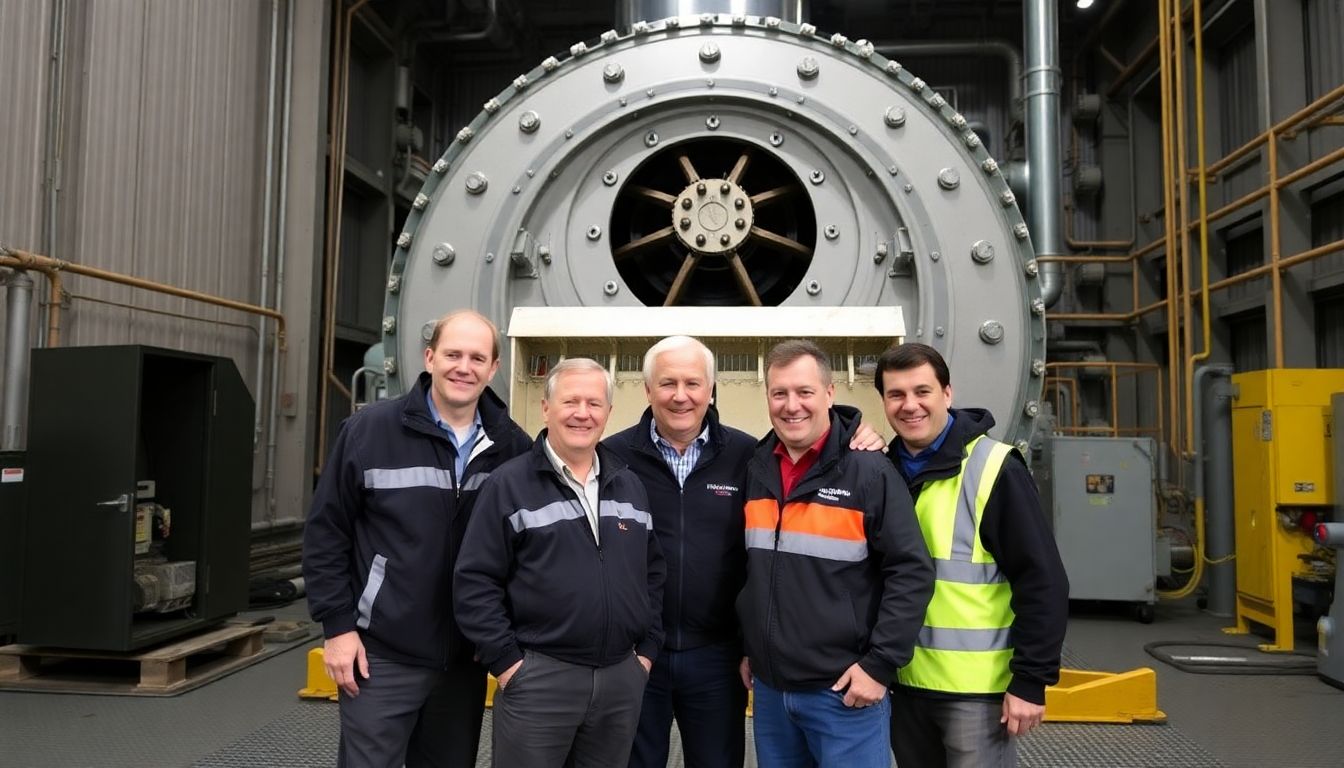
column 321, row 686
column 1104, row 697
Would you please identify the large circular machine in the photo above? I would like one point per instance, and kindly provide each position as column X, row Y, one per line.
column 729, row 160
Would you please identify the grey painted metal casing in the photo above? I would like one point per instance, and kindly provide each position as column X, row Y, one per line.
column 1103, row 516
column 543, row 164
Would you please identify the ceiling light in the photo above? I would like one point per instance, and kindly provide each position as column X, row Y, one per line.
column 1084, row 4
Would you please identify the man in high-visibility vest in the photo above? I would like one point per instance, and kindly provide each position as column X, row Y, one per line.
column 995, row 626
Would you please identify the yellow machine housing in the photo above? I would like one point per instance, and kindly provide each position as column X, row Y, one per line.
column 1281, row 465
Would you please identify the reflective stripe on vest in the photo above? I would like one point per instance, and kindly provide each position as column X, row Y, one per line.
column 964, row 646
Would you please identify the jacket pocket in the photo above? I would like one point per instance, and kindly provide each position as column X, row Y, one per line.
column 374, row 583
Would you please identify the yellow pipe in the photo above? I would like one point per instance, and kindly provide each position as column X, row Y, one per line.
column 1206, row 320
column 1164, row 70
column 1183, row 190
column 1275, row 275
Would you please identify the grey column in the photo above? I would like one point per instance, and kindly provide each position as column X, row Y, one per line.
column 1213, row 478
column 18, row 298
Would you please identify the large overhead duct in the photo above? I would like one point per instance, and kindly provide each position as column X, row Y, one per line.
column 1041, row 25
column 729, row 160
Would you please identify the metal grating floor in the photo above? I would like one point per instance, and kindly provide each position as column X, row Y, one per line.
column 306, row 735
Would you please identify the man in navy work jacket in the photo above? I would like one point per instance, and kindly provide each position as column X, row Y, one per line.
column 386, row 527
column 995, row 627
column 560, row 586
column 837, row 576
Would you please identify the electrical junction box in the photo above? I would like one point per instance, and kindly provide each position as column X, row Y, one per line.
column 1104, row 516
column 739, row 337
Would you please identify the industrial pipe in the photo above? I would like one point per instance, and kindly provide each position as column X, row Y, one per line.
column 12, row 257
column 274, row 398
column 1164, row 61
column 18, row 297
column 1213, row 487
column 1203, row 183
column 1041, row 104
column 52, row 140
column 268, row 179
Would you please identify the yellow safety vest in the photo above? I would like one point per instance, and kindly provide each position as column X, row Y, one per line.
column 964, row 645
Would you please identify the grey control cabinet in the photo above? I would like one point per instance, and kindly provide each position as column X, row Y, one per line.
column 1104, row 516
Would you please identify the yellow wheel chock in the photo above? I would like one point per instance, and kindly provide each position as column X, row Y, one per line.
column 1104, row 697
column 321, row 686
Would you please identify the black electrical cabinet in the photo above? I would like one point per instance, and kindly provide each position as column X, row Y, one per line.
column 105, row 425
column 13, row 495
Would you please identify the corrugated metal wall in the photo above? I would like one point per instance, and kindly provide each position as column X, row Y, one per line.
column 163, row 161
column 1327, row 226
column 1330, row 330
column 1245, row 252
column 1238, row 117
column 24, row 52
column 1250, row 342
column 1325, row 45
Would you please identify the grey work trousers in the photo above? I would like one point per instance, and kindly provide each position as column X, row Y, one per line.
column 553, row 713
column 949, row 733
column 420, row 717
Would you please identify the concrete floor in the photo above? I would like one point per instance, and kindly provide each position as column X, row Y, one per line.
column 253, row 717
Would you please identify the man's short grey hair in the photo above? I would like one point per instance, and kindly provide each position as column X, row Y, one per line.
column 672, row 344
column 577, row 365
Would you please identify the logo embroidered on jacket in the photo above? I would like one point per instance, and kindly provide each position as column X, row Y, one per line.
column 622, row 525
column 832, row 494
column 722, row 490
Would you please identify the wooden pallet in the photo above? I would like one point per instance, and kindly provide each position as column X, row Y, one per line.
column 163, row 671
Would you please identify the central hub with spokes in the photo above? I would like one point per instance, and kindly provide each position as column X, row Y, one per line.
column 724, row 244
column 712, row 217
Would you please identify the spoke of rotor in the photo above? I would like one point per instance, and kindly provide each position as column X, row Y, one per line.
column 771, row 196
column 688, row 169
column 744, row 279
column 653, row 238
column 682, row 278
column 735, row 176
column 652, row 195
column 780, row 242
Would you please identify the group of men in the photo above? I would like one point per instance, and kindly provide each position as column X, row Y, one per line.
column 909, row 603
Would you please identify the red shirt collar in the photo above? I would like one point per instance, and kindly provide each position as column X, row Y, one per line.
column 790, row 471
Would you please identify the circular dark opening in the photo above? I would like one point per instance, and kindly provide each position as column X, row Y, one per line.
column 761, row 262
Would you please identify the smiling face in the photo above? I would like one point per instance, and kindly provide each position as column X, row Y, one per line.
column 576, row 412
column 678, row 393
column 461, row 363
column 800, row 403
column 916, row 405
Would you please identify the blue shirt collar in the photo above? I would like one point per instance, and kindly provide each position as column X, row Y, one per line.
column 434, row 414
column 932, row 449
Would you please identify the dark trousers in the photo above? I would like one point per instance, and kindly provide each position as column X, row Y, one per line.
column 949, row 733
column 421, row 717
column 554, row 713
column 702, row 689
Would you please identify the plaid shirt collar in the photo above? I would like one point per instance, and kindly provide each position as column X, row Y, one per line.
column 681, row 464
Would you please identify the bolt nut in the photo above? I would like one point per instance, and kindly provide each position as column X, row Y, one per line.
column 776, row 139
column 651, row 139
column 1007, row 197
column 939, row 331
column 1032, row 268
column 816, row 177
column 831, row 231
column 389, row 365
column 404, row 240
column 808, row 68
column 520, row 82
column 389, row 325
column 685, row 223
column 725, row 188
column 813, row 288
column 594, row 232
column 949, row 179
column 443, row 254
column 393, row 283
column 427, row 331
column 1023, row 447
column 740, row 223
column 613, row 72
column 991, row 331
column 894, row 117
column 712, row 122
column 476, row 183
column 982, row 252
column 699, row 239
column 465, row 135
column 725, row 239
column 686, row 203
column 739, row 203
column 544, row 251
column 610, row 288
column 440, row 166
column 709, row 53
column 489, row 257
column 1038, row 367
column 881, row 253
column 1020, row 231
column 609, row 178
column 700, row 188
column 421, row 200
column 934, row 255
column 1038, row 306
column 1031, row 408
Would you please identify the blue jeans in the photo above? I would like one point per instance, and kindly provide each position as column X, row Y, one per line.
column 701, row 687
column 814, row 729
